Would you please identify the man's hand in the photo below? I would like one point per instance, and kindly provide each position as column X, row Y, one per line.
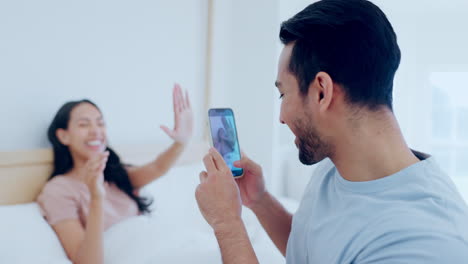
column 252, row 184
column 217, row 194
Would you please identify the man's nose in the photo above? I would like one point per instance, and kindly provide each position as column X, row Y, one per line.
column 281, row 120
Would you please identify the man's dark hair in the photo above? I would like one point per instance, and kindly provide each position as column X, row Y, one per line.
column 352, row 41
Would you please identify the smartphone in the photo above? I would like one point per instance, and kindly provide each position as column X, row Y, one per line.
column 224, row 137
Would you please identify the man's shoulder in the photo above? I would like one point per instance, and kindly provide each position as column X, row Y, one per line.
column 413, row 238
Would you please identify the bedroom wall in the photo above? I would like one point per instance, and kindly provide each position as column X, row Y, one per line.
column 245, row 42
column 124, row 55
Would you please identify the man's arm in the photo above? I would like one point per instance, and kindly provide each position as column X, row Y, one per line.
column 220, row 204
column 271, row 214
column 234, row 243
column 275, row 219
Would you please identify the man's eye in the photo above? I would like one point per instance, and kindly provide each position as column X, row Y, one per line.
column 281, row 96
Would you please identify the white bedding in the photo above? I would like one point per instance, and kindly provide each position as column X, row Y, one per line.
column 175, row 232
column 142, row 240
column 25, row 237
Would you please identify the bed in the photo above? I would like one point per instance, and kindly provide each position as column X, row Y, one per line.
column 175, row 231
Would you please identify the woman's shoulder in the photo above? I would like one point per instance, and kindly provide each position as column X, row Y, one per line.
column 60, row 199
column 62, row 180
column 61, row 184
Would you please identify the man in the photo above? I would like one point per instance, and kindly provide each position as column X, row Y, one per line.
column 372, row 199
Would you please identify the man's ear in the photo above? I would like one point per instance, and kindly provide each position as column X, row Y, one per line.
column 63, row 136
column 325, row 89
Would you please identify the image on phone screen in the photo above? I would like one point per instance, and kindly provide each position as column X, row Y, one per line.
column 224, row 137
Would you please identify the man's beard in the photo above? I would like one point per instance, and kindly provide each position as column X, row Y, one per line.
column 312, row 147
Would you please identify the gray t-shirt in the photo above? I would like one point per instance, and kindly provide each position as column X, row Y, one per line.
column 413, row 216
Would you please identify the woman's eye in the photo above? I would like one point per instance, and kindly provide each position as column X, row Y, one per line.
column 281, row 96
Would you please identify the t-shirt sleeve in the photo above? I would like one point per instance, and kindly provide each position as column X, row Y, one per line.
column 58, row 202
column 416, row 247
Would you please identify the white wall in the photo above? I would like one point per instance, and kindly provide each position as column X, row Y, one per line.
column 124, row 55
column 431, row 35
column 245, row 37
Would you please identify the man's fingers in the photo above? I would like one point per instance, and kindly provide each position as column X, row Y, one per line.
column 243, row 155
column 203, row 175
column 247, row 164
column 209, row 163
column 238, row 164
column 218, row 160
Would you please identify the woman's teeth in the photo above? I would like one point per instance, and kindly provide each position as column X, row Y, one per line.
column 94, row 143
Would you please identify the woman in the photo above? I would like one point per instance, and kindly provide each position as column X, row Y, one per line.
column 224, row 143
column 90, row 189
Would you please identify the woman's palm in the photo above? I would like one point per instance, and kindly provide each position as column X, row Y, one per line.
column 183, row 117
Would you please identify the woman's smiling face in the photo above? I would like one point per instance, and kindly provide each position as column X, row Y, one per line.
column 86, row 132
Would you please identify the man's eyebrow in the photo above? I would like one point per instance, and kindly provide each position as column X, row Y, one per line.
column 277, row 84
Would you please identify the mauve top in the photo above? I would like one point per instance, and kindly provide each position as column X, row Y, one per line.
column 64, row 197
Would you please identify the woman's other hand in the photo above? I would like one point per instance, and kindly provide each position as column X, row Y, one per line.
column 94, row 177
column 183, row 117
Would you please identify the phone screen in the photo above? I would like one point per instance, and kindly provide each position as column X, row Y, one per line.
column 224, row 137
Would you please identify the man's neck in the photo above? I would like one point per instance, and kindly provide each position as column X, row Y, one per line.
column 372, row 148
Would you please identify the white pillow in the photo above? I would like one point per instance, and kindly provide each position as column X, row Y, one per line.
column 25, row 237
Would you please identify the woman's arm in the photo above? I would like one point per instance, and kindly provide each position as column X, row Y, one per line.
column 83, row 245
column 140, row 176
column 181, row 134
